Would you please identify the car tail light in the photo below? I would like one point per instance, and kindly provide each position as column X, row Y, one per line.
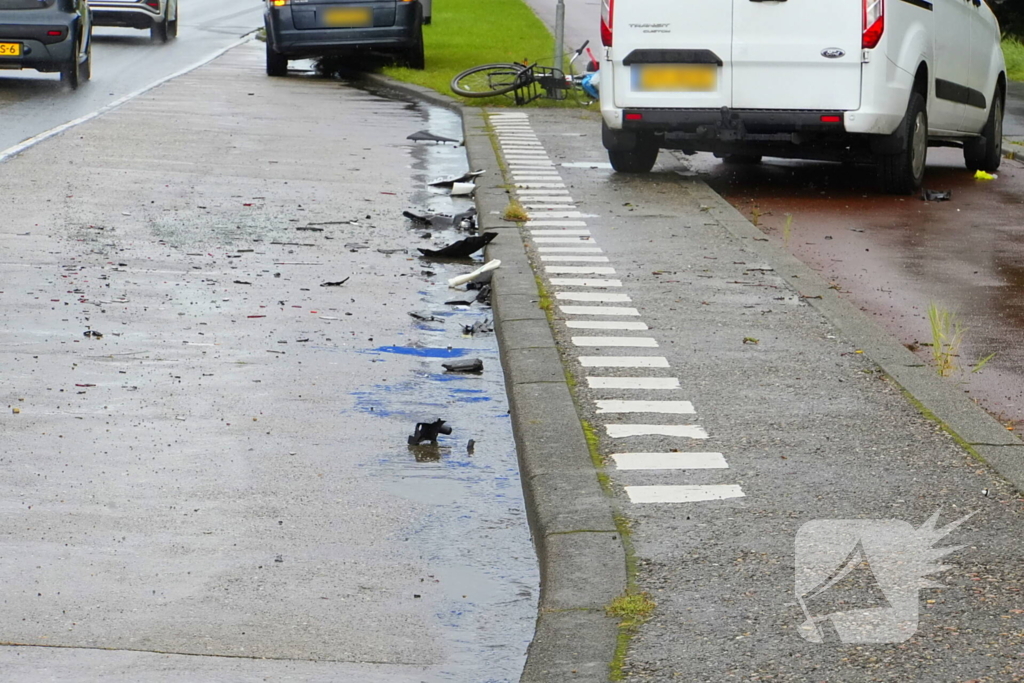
column 278, row 3
column 634, row 117
column 831, row 118
column 155, row 4
column 55, row 33
column 874, row 23
column 607, row 9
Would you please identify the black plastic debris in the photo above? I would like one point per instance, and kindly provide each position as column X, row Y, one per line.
column 458, row 302
column 936, row 195
column 465, row 220
column 426, row 318
column 241, row 282
column 479, row 327
column 93, row 334
column 484, row 295
column 339, row 283
column 427, row 136
column 433, row 220
column 462, row 248
column 448, row 181
column 467, row 365
column 470, row 447
column 428, row 431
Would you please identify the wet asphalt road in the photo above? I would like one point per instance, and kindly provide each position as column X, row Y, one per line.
column 895, row 256
column 124, row 61
column 225, row 471
column 806, row 426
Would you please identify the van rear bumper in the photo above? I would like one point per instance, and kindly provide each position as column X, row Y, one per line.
column 732, row 124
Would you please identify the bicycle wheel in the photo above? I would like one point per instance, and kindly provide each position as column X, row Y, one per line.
column 487, row 80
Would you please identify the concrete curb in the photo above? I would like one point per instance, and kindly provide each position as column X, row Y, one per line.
column 582, row 559
column 974, row 428
column 384, row 83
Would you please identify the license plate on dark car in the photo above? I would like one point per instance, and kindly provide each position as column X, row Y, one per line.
column 10, row 49
column 348, row 17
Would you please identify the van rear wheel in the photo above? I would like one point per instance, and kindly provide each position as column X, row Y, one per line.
column 903, row 172
column 986, row 152
column 640, row 159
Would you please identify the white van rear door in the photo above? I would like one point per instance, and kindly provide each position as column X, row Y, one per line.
column 797, row 54
column 672, row 53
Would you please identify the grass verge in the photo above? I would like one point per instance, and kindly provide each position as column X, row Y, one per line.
column 466, row 33
column 1013, row 51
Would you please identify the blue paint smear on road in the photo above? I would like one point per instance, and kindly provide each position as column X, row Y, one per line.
column 420, row 352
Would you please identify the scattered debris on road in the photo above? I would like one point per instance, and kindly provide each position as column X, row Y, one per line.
column 470, row 277
column 448, row 181
column 474, row 365
column 479, row 327
column 427, row 136
column 935, row 195
column 339, row 283
column 462, row 248
column 92, row 333
column 428, row 431
column 426, row 318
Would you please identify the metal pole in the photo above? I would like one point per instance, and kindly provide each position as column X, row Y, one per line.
column 559, row 34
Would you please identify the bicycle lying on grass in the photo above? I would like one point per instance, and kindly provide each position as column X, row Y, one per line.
column 528, row 82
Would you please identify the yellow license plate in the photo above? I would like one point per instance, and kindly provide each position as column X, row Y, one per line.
column 678, row 77
column 10, row 49
column 349, row 17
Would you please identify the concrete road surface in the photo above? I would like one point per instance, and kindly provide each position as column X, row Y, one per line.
column 205, row 473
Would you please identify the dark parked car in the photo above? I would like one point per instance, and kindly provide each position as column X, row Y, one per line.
column 303, row 29
column 159, row 17
column 48, row 36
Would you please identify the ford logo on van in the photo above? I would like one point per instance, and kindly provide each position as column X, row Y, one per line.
column 833, row 53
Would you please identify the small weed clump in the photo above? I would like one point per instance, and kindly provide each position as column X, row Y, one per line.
column 515, row 212
column 947, row 336
column 632, row 609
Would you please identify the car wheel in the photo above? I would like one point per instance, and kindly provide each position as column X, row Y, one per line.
column 640, row 159
column 277, row 64
column 903, row 172
column 158, row 32
column 86, row 69
column 414, row 57
column 172, row 24
column 742, row 159
column 71, row 72
column 986, row 153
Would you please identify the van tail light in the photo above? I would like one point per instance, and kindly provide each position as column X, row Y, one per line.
column 874, row 23
column 155, row 4
column 278, row 3
column 607, row 10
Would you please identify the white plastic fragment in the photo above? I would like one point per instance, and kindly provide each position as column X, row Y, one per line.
column 469, row 277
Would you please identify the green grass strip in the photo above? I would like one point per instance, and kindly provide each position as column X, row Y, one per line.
column 466, row 33
column 1013, row 51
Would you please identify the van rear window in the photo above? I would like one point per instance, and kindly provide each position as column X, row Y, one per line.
column 25, row 4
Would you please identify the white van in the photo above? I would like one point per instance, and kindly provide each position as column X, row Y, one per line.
column 847, row 80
